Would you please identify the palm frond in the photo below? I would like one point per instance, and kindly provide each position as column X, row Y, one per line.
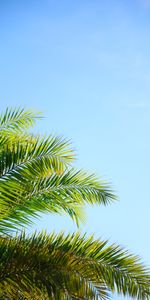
column 17, row 119
column 36, row 157
column 72, row 266
column 35, row 177
column 22, row 199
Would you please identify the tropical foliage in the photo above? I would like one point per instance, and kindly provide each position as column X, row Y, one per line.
column 36, row 175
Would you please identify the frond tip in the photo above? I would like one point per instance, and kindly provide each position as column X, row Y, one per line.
column 17, row 119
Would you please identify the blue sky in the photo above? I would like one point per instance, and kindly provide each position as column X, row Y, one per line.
column 86, row 65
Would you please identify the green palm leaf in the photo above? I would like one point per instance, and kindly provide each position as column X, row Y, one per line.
column 36, row 176
column 17, row 120
column 73, row 267
column 67, row 192
column 35, row 157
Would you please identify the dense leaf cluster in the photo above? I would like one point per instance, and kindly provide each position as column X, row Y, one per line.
column 36, row 175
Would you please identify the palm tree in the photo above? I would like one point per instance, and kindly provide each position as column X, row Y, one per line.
column 36, row 176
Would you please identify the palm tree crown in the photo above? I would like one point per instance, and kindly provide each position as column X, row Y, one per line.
column 36, row 176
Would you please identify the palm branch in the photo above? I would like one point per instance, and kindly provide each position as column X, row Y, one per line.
column 16, row 120
column 36, row 175
column 69, row 267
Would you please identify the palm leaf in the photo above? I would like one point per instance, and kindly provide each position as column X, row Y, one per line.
column 70, row 267
column 35, row 177
column 34, row 157
column 17, row 120
column 68, row 192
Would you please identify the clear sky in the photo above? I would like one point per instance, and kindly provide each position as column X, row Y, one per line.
column 86, row 65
